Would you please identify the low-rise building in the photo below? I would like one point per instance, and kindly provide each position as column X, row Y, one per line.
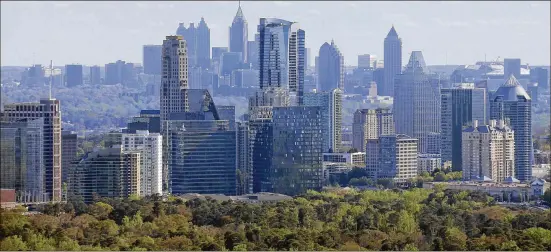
column 428, row 162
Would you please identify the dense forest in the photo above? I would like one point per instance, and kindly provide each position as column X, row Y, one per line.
column 415, row 219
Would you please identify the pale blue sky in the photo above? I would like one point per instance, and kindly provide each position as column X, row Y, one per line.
column 101, row 32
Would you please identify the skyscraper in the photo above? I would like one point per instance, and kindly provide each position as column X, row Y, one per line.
column 416, row 101
column 74, row 75
column 244, row 168
column 152, row 59
column 488, row 151
column 239, row 34
column 511, row 66
column 541, row 76
column 330, row 104
column 69, row 143
column 175, row 76
column 190, row 36
column 393, row 61
column 392, row 157
column 149, row 145
column 371, row 124
column 203, row 44
column 512, row 104
column 281, row 56
column 95, row 75
column 461, row 105
column 331, row 67
column 49, row 110
column 252, row 53
column 227, row 113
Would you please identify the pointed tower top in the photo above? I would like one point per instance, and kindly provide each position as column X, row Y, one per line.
column 239, row 15
column 392, row 32
column 511, row 82
column 332, row 42
column 416, row 60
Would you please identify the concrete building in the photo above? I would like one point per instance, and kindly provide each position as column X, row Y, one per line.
column 175, row 76
column 239, row 34
column 331, row 67
column 461, row 105
column 330, row 103
column 95, row 75
column 393, row 61
column 488, row 151
column 416, row 101
column 73, row 75
column 392, row 157
column 149, row 145
column 49, row 110
column 512, row 104
column 69, row 144
column 296, row 164
column 338, row 163
column 152, row 59
column 22, row 167
column 371, row 124
column 108, row 172
column 428, row 163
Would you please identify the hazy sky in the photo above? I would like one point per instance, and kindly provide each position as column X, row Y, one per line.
column 101, row 32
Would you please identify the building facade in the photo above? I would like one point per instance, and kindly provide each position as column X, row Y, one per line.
column 330, row 103
column 95, row 75
column 393, row 61
column 428, row 163
column 244, row 166
column 203, row 45
column 239, row 34
column 149, row 145
column 371, row 124
column 331, row 67
column 392, row 157
column 152, row 59
column 73, row 75
column 175, row 76
column 69, row 144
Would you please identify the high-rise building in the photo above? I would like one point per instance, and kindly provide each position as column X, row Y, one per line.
column 366, row 61
column 461, row 105
column 392, row 157
column 511, row 66
column 175, row 76
column 109, row 172
column 49, row 110
column 22, row 166
column 149, row 145
column 512, row 104
column 120, row 72
column 148, row 119
column 281, row 56
column 488, row 151
column 297, row 150
column 244, row 168
column 152, row 59
column 331, row 67
column 203, row 44
column 74, row 75
column 541, row 76
column 252, row 53
column 307, row 55
column 189, row 34
column 217, row 53
column 416, row 101
column 393, row 61
column 69, row 143
column 330, row 104
column 239, row 34
column 433, row 143
column 95, row 75
column 227, row 113
column 245, row 78
column 230, row 61
column 371, row 124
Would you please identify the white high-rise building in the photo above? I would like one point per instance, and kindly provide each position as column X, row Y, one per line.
column 151, row 159
column 488, row 151
column 392, row 157
column 370, row 124
column 174, row 76
column 331, row 108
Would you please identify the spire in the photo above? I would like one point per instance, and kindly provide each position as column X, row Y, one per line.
column 416, row 60
column 392, row 32
column 511, row 82
column 239, row 15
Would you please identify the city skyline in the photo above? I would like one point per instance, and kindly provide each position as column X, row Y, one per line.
column 461, row 39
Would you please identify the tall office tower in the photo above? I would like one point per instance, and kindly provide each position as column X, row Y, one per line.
column 217, row 53
column 393, row 61
column 330, row 104
column 148, row 119
column 281, row 56
column 109, row 172
column 511, row 103
column 49, row 110
column 252, row 53
column 488, row 151
column 175, row 76
column 461, row 105
column 239, row 34
column 190, row 36
column 152, row 59
column 244, row 168
column 371, row 124
column 95, row 75
column 202, row 157
column 297, row 150
column 331, row 67
column 149, row 145
column 230, row 61
column 22, row 165
column 379, row 78
column 74, row 75
column 367, row 61
column 203, row 44
column 541, row 76
column 433, row 143
column 511, row 66
column 392, row 157
column 69, row 144
column 227, row 113
column 416, row 101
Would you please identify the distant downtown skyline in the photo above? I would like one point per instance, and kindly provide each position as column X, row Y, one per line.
column 441, row 30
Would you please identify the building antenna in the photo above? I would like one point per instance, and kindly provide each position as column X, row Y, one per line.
column 239, row 2
column 50, row 81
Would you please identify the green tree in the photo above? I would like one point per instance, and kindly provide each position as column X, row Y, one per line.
column 455, row 239
column 13, row 243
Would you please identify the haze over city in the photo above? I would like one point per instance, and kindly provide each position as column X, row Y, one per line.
column 447, row 32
